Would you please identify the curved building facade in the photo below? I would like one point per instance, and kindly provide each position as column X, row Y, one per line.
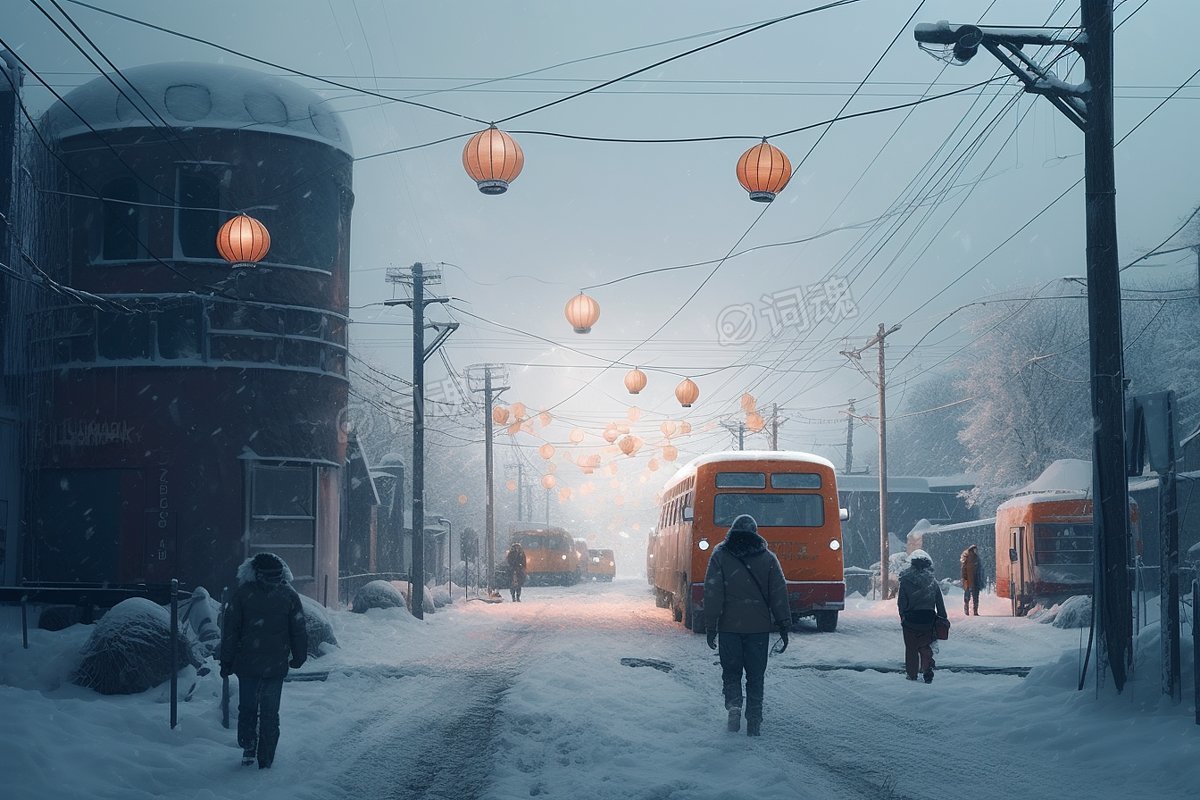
column 190, row 411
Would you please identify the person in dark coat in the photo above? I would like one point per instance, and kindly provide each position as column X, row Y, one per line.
column 264, row 633
column 745, row 598
column 920, row 603
column 972, row 578
column 516, row 570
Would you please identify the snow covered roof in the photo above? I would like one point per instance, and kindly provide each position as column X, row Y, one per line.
column 746, row 455
column 1064, row 475
column 192, row 95
column 870, row 483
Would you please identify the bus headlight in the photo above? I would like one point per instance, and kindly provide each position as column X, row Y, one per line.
column 703, row 544
column 564, row 558
column 834, row 544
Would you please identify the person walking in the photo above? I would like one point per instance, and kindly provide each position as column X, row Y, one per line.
column 516, row 561
column 972, row 578
column 263, row 634
column 920, row 604
column 745, row 598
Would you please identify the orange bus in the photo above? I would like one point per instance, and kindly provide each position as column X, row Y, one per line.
column 1044, row 548
column 550, row 556
column 603, row 566
column 793, row 498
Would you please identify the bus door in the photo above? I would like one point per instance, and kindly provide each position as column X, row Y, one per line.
column 1016, row 568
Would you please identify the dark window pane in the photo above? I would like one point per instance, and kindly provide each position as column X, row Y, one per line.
column 121, row 220
column 242, row 348
column 179, row 332
column 282, row 491
column 123, row 336
column 1063, row 544
column 741, row 480
column 795, row 480
column 198, row 215
column 770, row 510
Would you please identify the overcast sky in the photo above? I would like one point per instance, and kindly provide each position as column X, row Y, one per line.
column 584, row 213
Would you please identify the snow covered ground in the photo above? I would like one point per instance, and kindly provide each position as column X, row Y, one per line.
column 531, row 700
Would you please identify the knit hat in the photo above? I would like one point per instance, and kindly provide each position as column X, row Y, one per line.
column 268, row 568
column 919, row 555
column 744, row 523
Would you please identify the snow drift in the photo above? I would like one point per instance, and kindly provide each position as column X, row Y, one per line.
column 130, row 649
column 377, row 594
column 317, row 625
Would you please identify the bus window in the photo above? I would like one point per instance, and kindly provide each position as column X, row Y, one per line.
column 795, row 480
column 741, row 480
column 1063, row 543
column 771, row 510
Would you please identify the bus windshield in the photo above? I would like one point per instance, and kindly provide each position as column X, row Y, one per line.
column 770, row 510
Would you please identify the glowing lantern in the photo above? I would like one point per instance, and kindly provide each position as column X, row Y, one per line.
column 634, row 413
column 652, row 464
column 545, row 418
column 577, row 435
column 462, row 499
column 619, row 500
column 518, row 410
column 685, row 428
column 511, row 486
column 627, row 445
column 548, row 482
column 754, row 422
column 686, row 392
column 763, row 171
column 667, row 428
column 564, row 494
column 243, row 241
column 546, row 451
column 500, row 415
column 611, row 434
column 622, row 427
column 493, row 159
column 748, row 403
column 635, row 380
column 643, row 478
column 670, row 453
column 582, row 312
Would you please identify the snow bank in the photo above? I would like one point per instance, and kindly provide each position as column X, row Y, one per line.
column 405, row 588
column 1074, row 612
column 316, row 623
column 130, row 649
column 377, row 594
column 1064, row 475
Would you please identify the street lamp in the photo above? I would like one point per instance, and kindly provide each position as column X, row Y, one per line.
column 449, row 556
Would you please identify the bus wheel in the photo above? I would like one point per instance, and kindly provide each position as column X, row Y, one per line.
column 689, row 616
column 676, row 607
column 661, row 598
column 827, row 621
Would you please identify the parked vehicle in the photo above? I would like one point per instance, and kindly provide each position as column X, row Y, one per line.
column 603, row 566
column 551, row 556
column 793, row 498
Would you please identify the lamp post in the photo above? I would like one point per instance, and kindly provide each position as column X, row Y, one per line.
column 449, row 554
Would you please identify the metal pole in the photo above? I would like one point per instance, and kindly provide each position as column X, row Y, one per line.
column 547, row 508
column 774, row 426
column 1196, row 648
column 174, row 651
column 24, row 622
column 417, row 576
column 741, row 436
column 884, row 545
column 490, row 519
column 520, row 491
column 1109, row 482
column 1168, row 571
column 850, row 438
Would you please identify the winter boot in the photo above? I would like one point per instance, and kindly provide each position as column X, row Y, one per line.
column 735, row 720
column 753, row 727
column 248, row 756
column 929, row 676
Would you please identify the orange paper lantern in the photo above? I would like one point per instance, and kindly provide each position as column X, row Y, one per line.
column 687, row 392
column 576, row 435
column 667, row 428
column 462, row 499
column 670, row 453
column 635, row 380
column 763, row 171
column 748, row 403
column 500, row 415
column 582, row 312
column 546, row 451
column 493, row 159
column 243, row 241
column 754, row 422
column 685, row 428
column 548, row 481
column 611, row 434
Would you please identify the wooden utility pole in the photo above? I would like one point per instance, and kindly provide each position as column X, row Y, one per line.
column 881, row 381
column 850, row 438
column 417, row 278
column 774, row 426
column 1089, row 106
column 489, row 379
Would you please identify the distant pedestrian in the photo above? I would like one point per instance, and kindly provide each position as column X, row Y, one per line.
column 263, row 634
column 972, row 578
column 920, row 603
column 516, row 570
column 745, row 598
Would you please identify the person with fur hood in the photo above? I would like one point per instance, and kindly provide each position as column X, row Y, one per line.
column 972, row 578
column 263, row 626
column 745, row 598
column 920, row 603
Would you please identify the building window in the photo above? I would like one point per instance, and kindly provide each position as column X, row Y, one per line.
column 121, row 224
column 283, row 515
column 198, row 196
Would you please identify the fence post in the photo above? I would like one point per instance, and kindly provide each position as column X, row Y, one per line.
column 24, row 622
column 325, row 599
column 174, row 653
column 1196, row 646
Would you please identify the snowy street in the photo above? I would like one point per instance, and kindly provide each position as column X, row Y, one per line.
column 531, row 700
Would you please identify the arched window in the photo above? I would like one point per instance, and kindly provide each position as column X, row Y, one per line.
column 198, row 195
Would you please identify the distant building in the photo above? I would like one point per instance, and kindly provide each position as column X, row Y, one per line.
column 188, row 417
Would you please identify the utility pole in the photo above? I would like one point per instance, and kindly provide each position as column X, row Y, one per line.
column 491, row 379
column 416, row 278
column 881, row 381
column 547, row 508
column 520, row 491
column 1089, row 106
column 850, row 438
column 740, row 429
column 774, row 426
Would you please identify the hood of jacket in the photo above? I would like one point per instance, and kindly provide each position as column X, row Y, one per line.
column 743, row 544
column 247, row 574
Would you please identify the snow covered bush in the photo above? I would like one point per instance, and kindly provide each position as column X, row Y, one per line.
column 377, row 594
column 405, row 588
column 130, row 649
column 1074, row 612
column 316, row 623
column 440, row 594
